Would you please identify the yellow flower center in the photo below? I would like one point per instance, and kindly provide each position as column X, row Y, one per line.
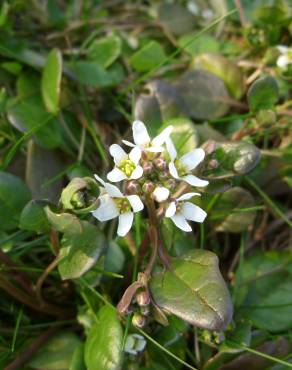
column 122, row 204
column 181, row 169
column 127, row 166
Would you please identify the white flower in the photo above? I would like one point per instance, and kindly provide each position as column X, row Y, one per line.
column 143, row 141
column 160, row 194
column 115, row 204
column 126, row 165
column 135, row 344
column 285, row 58
column 180, row 211
column 181, row 168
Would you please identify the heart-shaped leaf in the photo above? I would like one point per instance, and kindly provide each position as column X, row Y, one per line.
column 194, row 290
column 33, row 217
column 103, row 347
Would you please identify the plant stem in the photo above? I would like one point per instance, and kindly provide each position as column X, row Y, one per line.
column 28, row 353
column 43, row 277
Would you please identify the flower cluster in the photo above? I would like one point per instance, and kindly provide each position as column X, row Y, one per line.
column 284, row 61
column 152, row 171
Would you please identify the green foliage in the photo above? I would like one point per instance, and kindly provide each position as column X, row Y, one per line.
column 74, row 76
column 51, row 80
column 14, row 194
column 103, row 347
column 263, row 94
column 194, row 290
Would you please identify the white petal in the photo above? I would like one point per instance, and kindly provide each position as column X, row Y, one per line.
column 106, row 211
column 128, row 143
column 162, row 137
column 137, row 173
column 155, row 149
column 283, row 49
column 160, row 194
column 181, row 222
column 99, row 179
column 118, row 153
column 140, row 134
column 135, row 154
column 125, row 223
column 187, row 196
column 173, row 170
column 113, row 191
column 135, row 202
column 283, row 61
column 116, row 175
column 171, row 149
column 170, row 210
column 195, row 181
column 192, row 159
column 193, row 212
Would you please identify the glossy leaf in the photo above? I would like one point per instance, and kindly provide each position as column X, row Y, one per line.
column 34, row 218
column 79, row 252
column 51, row 81
column 230, row 212
column 263, row 94
column 148, row 57
column 14, row 194
column 57, row 353
column 194, row 290
column 224, row 69
column 205, row 95
column 106, row 50
column 103, row 347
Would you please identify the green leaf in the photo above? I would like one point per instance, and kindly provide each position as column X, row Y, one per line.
column 51, row 81
column 64, row 222
column 33, row 217
column 263, row 94
column 225, row 69
column 27, row 111
column 77, row 362
column 204, row 94
column 148, row 57
column 264, row 296
column 231, row 213
column 106, row 50
column 194, row 290
column 103, row 347
column 79, row 252
column 175, row 18
column 203, row 44
column 92, row 74
column 14, row 195
column 57, row 353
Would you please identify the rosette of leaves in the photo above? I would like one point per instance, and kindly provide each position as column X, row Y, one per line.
column 80, row 195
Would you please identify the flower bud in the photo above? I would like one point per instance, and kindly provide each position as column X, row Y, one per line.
column 147, row 167
column 171, row 184
column 164, row 175
column 138, row 320
column 145, row 310
column 160, row 163
column 160, row 194
column 148, row 187
column 213, row 163
column 143, row 298
column 132, row 187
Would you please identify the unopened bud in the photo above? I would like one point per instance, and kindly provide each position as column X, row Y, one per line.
column 132, row 187
column 138, row 320
column 171, row 184
column 145, row 310
column 160, row 163
column 213, row 163
column 143, row 298
column 164, row 175
column 147, row 167
column 148, row 187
